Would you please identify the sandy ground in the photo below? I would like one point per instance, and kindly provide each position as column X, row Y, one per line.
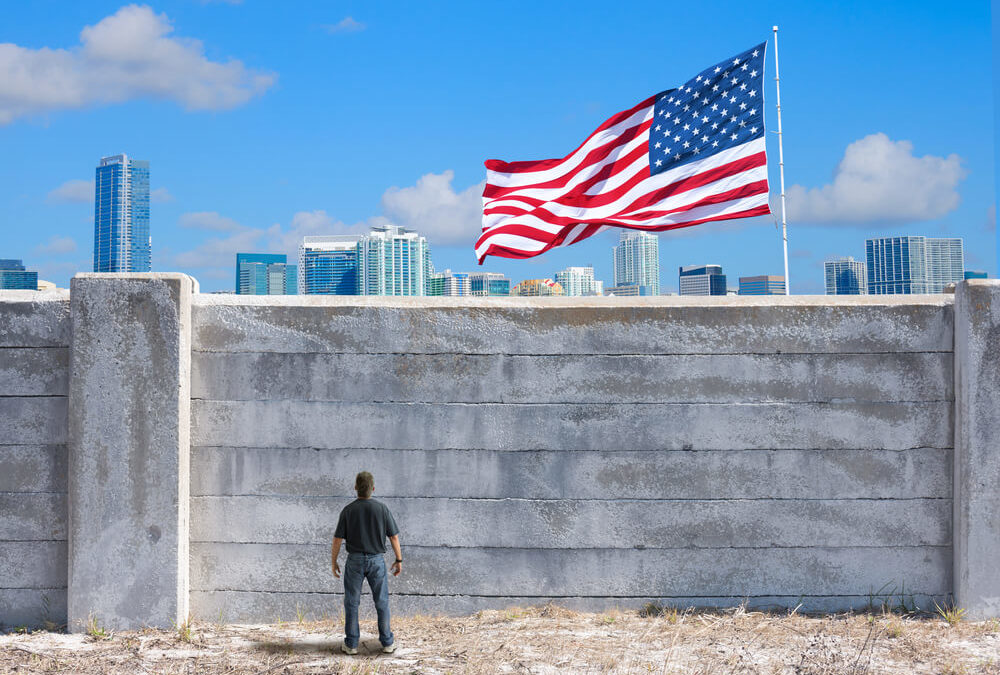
column 536, row 640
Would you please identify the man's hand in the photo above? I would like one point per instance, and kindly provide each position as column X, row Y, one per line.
column 396, row 568
column 336, row 569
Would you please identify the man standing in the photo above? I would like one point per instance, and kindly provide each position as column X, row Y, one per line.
column 365, row 523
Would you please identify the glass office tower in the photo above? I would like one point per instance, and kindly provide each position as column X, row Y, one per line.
column 909, row 265
column 764, row 284
column 393, row 261
column 637, row 260
column 486, row 284
column 121, row 215
column 579, row 281
column 702, row 280
column 14, row 276
column 845, row 276
column 265, row 274
column 330, row 265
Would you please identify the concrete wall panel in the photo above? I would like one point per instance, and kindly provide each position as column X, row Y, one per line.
column 563, row 523
column 30, row 371
column 33, row 468
column 894, row 426
column 30, row 607
column 573, row 325
column 32, row 564
column 741, row 474
column 588, row 572
column 494, row 378
column 32, row 516
column 37, row 420
column 34, row 319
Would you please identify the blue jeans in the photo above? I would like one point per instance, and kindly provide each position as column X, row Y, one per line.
column 361, row 566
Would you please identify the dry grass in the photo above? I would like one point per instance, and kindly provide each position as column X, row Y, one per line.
column 546, row 639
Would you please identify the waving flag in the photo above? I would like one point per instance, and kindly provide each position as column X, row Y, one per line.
column 686, row 156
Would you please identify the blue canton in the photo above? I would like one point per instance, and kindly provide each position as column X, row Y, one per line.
column 720, row 108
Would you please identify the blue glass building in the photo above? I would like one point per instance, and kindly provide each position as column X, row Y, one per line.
column 329, row 265
column 121, row 215
column 13, row 276
column 265, row 274
column 702, row 280
column 488, row 284
column 908, row 265
column 845, row 276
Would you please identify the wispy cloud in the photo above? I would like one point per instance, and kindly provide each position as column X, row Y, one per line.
column 57, row 246
column 345, row 25
column 208, row 220
column 880, row 180
column 125, row 56
column 160, row 196
column 76, row 191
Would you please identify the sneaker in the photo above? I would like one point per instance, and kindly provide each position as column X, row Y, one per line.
column 389, row 649
column 351, row 651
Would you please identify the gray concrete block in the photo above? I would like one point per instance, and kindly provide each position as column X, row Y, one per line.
column 33, row 420
column 288, row 568
column 292, row 424
column 562, row 523
column 264, row 607
column 677, row 325
column 32, row 468
column 31, row 371
column 977, row 447
column 129, row 450
column 32, row 607
column 32, row 517
column 34, row 319
column 722, row 474
column 495, row 378
column 32, row 564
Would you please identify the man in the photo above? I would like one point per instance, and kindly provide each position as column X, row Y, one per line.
column 364, row 524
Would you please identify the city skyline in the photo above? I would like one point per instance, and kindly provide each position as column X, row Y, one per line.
column 332, row 166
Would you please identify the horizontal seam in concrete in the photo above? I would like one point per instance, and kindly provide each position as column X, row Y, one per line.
column 406, row 545
column 32, row 541
column 31, row 492
column 565, row 355
column 22, row 347
column 527, row 450
column 691, row 404
column 587, row 499
column 4, row 396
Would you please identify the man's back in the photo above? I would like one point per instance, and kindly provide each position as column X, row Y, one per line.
column 364, row 524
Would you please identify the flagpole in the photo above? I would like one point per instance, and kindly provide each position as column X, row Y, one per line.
column 781, row 162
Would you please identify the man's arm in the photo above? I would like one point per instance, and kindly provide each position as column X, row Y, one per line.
column 397, row 566
column 334, row 552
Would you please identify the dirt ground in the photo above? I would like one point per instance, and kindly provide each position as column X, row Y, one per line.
column 536, row 640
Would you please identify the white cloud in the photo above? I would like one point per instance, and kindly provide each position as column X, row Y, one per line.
column 160, row 195
column 433, row 208
column 218, row 252
column 124, row 56
column 56, row 246
column 880, row 180
column 208, row 220
column 73, row 191
column 345, row 25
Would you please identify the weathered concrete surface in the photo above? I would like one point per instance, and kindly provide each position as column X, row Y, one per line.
column 263, row 607
column 34, row 319
column 593, row 474
column 977, row 448
column 129, row 449
column 604, row 573
column 496, row 378
column 591, row 523
column 33, row 468
column 676, row 325
column 32, row 564
column 32, row 516
column 292, row 424
column 34, row 371
column 31, row 607
column 33, row 420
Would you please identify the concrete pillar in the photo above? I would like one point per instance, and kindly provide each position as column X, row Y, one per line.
column 977, row 448
column 129, row 423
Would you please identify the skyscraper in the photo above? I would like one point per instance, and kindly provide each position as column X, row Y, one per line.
column 579, row 281
column 845, row 276
column 637, row 260
column 13, row 275
column 448, row 283
column 907, row 265
column 121, row 215
column 765, row 284
column 393, row 261
column 485, row 284
column 702, row 280
column 330, row 265
column 265, row 274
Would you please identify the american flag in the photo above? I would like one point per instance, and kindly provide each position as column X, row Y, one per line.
column 683, row 157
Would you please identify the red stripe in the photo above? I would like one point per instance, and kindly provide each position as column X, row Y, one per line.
column 539, row 165
column 593, row 157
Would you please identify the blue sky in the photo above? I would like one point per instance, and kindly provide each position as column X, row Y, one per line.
column 264, row 121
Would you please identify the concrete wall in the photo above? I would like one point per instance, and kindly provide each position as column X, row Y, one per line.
column 593, row 452
column 34, row 381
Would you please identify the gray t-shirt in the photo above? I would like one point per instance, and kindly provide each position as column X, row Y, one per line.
column 364, row 524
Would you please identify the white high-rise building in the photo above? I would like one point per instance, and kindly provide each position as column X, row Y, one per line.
column 906, row 265
column 845, row 276
column 579, row 281
column 637, row 260
column 394, row 261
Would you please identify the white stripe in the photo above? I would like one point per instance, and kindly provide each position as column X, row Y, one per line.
column 571, row 161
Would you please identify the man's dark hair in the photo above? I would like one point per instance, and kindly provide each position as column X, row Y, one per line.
column 364, row 484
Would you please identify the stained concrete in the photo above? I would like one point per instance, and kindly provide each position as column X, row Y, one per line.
column 977, row 448
column 129, row 448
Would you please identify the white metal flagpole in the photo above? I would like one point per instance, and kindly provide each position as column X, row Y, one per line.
column 781, row 162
